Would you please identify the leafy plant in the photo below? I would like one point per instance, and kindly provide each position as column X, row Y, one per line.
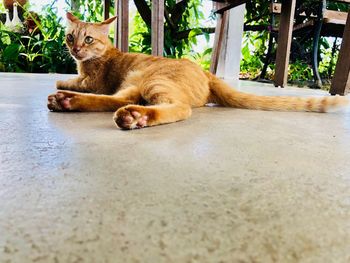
column 202, row 59
column 42, row 50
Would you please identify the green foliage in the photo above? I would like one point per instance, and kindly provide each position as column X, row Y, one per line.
column 255, row 44
column 179, row 38
column 253, row 53
column 41, row 51
column 299, row 71
column 90, row 11
column 140, row 39
column 202, row 59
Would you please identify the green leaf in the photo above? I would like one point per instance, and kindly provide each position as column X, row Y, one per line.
column 194, row 32
column 11, row 52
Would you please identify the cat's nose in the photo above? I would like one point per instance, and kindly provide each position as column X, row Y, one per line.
column 76, row 49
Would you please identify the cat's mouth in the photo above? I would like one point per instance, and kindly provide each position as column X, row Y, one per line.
column 77, row 56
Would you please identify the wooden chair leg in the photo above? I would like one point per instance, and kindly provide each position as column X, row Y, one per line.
column 284, row 42
column 122, row 26
column 157, row 27
column 219, row 36
column 341, row 80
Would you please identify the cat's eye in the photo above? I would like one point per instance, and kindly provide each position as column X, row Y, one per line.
column 70, row 38
column 88, row 40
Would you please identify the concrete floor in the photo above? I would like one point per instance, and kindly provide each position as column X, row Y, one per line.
column 227, row 185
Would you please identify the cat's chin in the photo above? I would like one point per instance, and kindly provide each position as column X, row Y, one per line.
column 79, row 58
column 82, row 59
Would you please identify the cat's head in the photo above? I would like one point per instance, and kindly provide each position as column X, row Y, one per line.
column 87, row 40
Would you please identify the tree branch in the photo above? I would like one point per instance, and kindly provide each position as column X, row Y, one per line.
column 178, row 10
column 169, row 19
column 184, row 34
column 144, row 11
column 255, row 27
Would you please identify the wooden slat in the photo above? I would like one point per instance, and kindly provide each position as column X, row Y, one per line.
column 228, row 5
column 122, row 25
column 219, row 36
column 222, row 7
column 343, row 1
column 341, row 80
column 335, row 17
column 106, row 8
column 235, row 2
column 330, row 16
column 157, row 27
column 284, row 42
column 276, row 8
column 309, row 23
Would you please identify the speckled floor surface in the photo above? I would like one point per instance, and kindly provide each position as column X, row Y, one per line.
column 227, row 185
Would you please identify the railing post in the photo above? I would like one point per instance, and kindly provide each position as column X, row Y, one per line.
column 122, row 27
column 157, row 27
column 221, row 22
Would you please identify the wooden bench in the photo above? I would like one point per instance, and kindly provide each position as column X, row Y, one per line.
column 323, row 23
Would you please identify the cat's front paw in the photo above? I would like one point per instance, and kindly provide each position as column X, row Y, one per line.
column 61, row 101
column 131, row 117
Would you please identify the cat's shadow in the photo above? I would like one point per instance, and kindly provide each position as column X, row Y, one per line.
column 82, row 121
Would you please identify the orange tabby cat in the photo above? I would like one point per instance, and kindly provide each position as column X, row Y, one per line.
column 146, row 90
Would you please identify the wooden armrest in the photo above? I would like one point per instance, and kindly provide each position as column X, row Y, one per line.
column 335, row 17
column 342, row 1
column 234, row 2
column 223, row 6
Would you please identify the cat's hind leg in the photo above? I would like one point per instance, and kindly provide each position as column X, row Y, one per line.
column 136, row 116
column 75, row 101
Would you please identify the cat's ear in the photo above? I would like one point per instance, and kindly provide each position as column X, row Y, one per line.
column 105, row 24
column 71, row 18
column 109, row 20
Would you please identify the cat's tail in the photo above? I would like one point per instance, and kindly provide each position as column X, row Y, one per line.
column 224, row 95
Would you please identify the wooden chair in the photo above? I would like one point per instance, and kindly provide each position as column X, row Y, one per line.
column 220, row 8
column 322, row 22
column 329, row 23
column 287, row 10
column 298, row 28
